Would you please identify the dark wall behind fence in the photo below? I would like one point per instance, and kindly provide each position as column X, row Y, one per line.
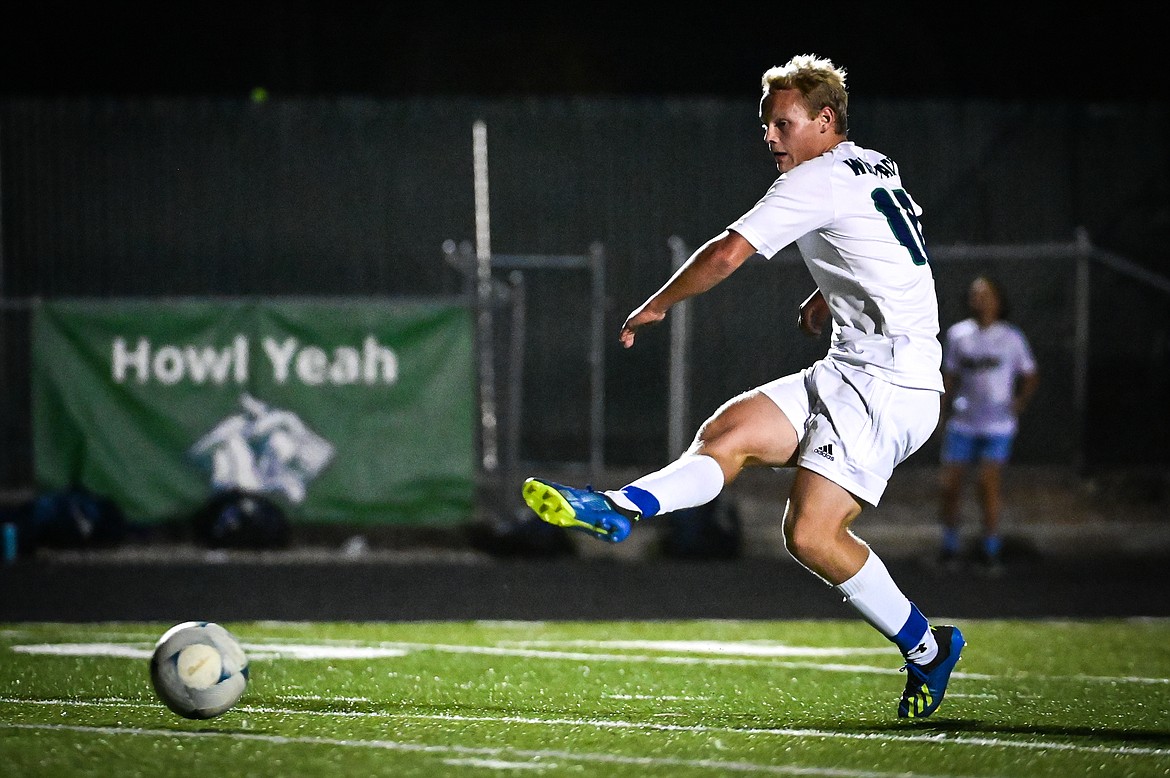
column 356, row 197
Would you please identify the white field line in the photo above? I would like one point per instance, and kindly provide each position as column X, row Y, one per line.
column 349, row 650
column 254, row 650
column 468, row 751
column 737, row 648
column 820, row 734
column 658, row 697
column 500, row 764
column 293, row 651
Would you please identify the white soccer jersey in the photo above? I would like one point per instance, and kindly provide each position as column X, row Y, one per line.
column 987, row 363
column 859, row 234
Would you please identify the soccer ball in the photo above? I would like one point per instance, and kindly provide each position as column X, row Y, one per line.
column 198, row 669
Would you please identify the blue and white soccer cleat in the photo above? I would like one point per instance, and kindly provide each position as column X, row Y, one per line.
column 581, row 509
column 925, row 686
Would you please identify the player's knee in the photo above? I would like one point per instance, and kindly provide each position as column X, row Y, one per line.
column 733, row 445
column 803, row 538
column 717, row 429
column 723, row 443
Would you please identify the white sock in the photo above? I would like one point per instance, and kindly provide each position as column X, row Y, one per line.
column 878, row 599
column 689, row 481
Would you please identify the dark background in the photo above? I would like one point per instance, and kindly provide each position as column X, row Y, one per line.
column 394, row 49
column 1021, row 123
column 995, row 51
column 1079, row 587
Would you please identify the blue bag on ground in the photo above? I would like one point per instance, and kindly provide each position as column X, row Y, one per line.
column 74, row 518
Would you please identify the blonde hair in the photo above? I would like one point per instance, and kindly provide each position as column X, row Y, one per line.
column 819, row 81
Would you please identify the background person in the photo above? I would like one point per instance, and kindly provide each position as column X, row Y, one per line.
column 990, row 376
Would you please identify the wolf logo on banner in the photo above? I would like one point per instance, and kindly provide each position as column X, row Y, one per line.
column 263, row 449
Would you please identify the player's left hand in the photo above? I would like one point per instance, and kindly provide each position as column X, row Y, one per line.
column 814, row 313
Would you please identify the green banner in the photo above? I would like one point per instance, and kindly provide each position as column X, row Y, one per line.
column 342, row 411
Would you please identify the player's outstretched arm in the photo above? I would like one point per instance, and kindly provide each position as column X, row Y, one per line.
column 712, row 262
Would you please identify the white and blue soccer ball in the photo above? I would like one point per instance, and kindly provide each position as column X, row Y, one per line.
column 199, row 669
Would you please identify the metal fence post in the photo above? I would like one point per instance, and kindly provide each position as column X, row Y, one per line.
column 678, row 411
column 597, row 363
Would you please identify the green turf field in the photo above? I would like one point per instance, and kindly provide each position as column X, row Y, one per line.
column 809, row 698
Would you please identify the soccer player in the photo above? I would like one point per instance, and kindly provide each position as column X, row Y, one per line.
column 847, row 420
column 989, row 375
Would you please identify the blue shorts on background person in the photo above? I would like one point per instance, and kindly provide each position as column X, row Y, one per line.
column 969, row 449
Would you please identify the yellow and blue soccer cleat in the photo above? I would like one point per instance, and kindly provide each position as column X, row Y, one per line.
column 581, row 509
column 925, row 686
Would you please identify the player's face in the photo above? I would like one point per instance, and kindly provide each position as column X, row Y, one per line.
column 982, row 299
column 791, row 135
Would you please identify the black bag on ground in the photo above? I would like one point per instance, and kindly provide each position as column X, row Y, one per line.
column 239, row 519
column 710, row 531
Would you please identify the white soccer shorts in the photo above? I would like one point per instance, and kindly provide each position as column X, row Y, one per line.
column 854, row 428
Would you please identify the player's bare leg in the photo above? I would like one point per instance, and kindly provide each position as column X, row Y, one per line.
column 747, row 431
column 816, row 528
column 951, row 478
column 989, row 495
column 990, row 489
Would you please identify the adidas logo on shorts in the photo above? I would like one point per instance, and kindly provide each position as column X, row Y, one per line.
column 826, row 451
